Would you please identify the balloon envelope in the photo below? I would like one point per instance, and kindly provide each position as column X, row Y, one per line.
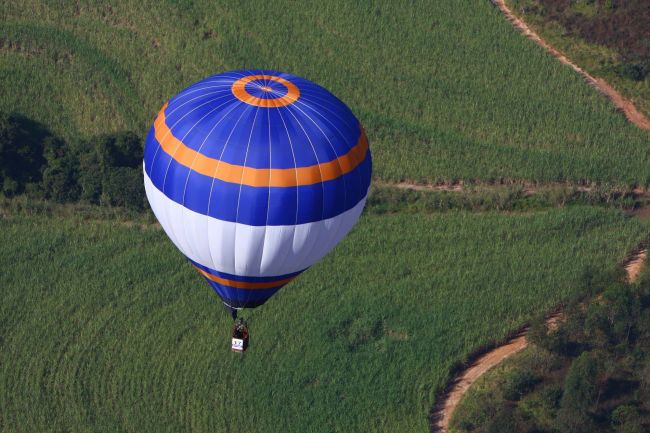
column 255, row 176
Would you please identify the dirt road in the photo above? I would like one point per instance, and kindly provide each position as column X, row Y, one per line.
column 444, row 410
column 621, row 103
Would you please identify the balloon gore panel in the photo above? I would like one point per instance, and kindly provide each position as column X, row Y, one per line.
column 255, row 176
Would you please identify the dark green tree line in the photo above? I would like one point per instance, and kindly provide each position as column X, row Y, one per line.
column 102, row 170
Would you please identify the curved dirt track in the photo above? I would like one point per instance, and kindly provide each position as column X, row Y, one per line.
column 621, row 103
column 444, row 410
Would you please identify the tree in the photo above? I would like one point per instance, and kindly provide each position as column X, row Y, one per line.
column 110, row 170
column 60, row 176
column 123, row 149
column 518, row 383
column 21, row 152
column 610, row 322
column 90, row 176
column 123, row 186
column 580, row 391
column 627, row 419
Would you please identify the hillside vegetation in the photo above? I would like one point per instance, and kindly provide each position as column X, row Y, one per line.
column 104, row 327
column 607, row 38
column 591, row 375
column 446, row 90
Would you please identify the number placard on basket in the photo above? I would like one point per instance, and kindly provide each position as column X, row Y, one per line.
column 237, row 345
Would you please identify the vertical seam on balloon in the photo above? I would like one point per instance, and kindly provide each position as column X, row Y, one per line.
column 313, row 245
column 295, row 164
column 225, row 77
column 175, row 107
column 189, row 173
column 319, row 102
column 315, row 101
column 211, row 185
column 167, row 170
column 338, row 162
column 231, row 75
column 241, row 179
column 238, row 104
column 205, row 140
column 186, row 134
column 250, row 136
column 153, row 160
column 200, row 147
column 309, row 105
column 183, row 208
column 216, row 169
column 247, row 294
column 187, row 92
column 268, row 199
column 284, row 259
column 359, row 126
column 313, row 149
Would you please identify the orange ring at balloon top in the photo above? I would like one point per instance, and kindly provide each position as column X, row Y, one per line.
column 239, row 90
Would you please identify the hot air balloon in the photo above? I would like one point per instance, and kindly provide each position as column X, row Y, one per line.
column 255, row 176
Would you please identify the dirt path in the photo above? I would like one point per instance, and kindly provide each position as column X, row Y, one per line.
column 442, row 413
column 528, row 188
column 444, row 410
column 621, row 103
column 635, row 264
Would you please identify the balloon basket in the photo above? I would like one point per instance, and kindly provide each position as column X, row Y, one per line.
column 240, row 337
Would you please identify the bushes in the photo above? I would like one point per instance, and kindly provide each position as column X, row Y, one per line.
column 611, row 324
column 579, row 395
column 591, row 374
column 111, row 172
column 123, row 186
column 102, row 170
column 519, row 383
column 627, row 419
column 21, row 153
column 61, row 174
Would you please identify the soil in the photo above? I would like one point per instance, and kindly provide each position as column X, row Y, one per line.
column 635, row 265
column 622, row 104
column 460, row 385
column 642, row 213
column 528, row 188
column 443, row 411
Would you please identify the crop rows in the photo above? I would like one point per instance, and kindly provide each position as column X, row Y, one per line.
column 446, row 90
column 104, row 327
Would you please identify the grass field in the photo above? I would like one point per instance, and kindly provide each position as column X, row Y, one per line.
column 446, row 90
column 105, row 328
column 606, row 60
column 534, row 389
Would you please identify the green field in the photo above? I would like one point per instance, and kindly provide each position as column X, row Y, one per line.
column 590, row 374
column 446, row 90
column 613, row 52
column 105, row 328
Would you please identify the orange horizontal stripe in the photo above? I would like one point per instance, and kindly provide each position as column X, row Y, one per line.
column 244, row 284
column 259, row 177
